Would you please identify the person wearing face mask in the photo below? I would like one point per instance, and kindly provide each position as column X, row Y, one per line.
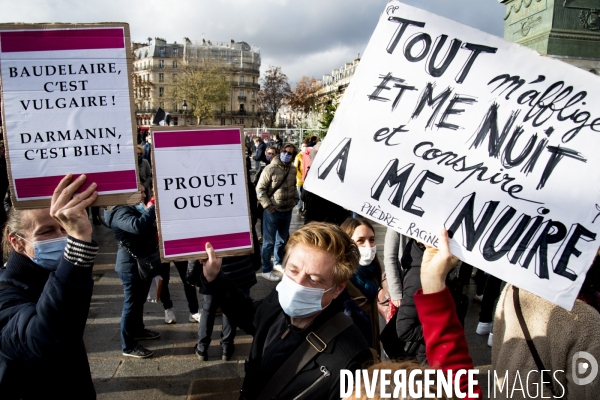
column 366, row 281
column 302, row 163
column 302, row 339
column 45, row 293
column 276, row 192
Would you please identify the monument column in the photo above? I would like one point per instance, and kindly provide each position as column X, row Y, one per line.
column 565, row 29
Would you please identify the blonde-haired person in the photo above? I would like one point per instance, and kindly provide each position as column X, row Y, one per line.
column 45, row 293
column 446, row 344
column 320, row 259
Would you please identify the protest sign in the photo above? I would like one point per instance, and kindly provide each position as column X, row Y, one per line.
column 67, row 108
column 201, row 193
column 446, row 126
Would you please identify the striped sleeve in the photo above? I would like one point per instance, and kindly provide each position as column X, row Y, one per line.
column 79, row 253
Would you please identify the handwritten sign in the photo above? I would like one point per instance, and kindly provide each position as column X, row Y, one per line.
column 67, row 107
column 444, row 125
column 201, row 193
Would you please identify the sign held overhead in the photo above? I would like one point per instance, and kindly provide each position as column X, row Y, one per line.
column 484, row 137
column 67, row 107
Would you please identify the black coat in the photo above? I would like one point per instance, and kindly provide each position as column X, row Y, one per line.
column 260, row 152
column 135, row 230
column 42, row 319
column 408, row 325
column 348, row 350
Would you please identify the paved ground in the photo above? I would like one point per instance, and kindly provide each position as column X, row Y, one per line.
column 175, row 372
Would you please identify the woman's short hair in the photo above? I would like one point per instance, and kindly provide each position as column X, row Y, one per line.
column 331, row 239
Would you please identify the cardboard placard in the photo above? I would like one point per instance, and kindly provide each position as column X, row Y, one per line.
column 67, row 106
column 199, row 176
column 447, row 126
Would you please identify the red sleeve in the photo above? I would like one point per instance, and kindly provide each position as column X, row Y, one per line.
column 446, row 345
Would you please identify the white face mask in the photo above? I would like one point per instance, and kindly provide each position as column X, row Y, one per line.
column 367, row 255
column 299, row 301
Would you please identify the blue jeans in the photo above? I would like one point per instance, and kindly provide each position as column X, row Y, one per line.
column 276, row 232
column 299, row 205
column 136, row 291
column 189, row 290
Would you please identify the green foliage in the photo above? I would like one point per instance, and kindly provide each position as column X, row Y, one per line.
column 328, row 111
column 203, row 86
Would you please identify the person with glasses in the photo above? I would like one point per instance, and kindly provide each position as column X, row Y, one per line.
column 276, row 192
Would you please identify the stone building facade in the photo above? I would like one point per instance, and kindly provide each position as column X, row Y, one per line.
column 157, row 64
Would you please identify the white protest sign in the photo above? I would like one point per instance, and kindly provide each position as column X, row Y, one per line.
column 67, row 103
column 201, row 193
column 446, row 126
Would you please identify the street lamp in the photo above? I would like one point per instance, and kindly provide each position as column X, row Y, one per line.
column 184, row 108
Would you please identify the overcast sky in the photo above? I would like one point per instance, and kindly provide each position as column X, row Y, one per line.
column 307, row 37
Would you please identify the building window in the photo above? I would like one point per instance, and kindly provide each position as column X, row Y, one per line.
column 242, row 80
column 253, row 80
column 161, row 91
column 253, row 93
column 161, row 63
column 161, row 77
column 252, row 107
column 222, row 108
column 242, row 93
column 222, row 121
column 174, row 63
column 175, row 51
column 162, row 51
column 241, row 121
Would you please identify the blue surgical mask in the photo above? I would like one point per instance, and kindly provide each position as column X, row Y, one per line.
column 47, row 253
column 299, row 301
column 285, row 157
column 141, row 208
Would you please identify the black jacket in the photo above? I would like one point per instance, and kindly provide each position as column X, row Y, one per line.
column 408, row 325
column 348, row 350
column 42, row 319
column 260, row 152
column 135, row 230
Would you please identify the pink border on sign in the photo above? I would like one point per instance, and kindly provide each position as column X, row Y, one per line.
column 197, row 245
column 106, row 181
column 62, row 39
column 167, row 139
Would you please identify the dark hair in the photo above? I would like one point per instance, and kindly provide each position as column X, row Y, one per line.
column 590, row 290
column 314, row 139
column 349, row 226
column 306, row 140
column 272, row 148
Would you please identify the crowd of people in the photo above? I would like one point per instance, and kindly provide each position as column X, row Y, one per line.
column 325, row 314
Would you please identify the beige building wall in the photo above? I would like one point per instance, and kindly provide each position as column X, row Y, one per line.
column 156, row 66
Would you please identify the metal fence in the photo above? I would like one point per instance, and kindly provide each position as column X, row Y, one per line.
column 290, row 135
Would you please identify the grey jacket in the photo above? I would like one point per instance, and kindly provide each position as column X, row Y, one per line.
column 392, row 254
column 282, row 178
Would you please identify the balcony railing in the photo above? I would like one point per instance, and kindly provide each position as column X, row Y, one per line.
column 245, row 84
column 242, row 98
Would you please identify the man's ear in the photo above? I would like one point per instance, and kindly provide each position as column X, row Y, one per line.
column 339, row 289
column 16, row 243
